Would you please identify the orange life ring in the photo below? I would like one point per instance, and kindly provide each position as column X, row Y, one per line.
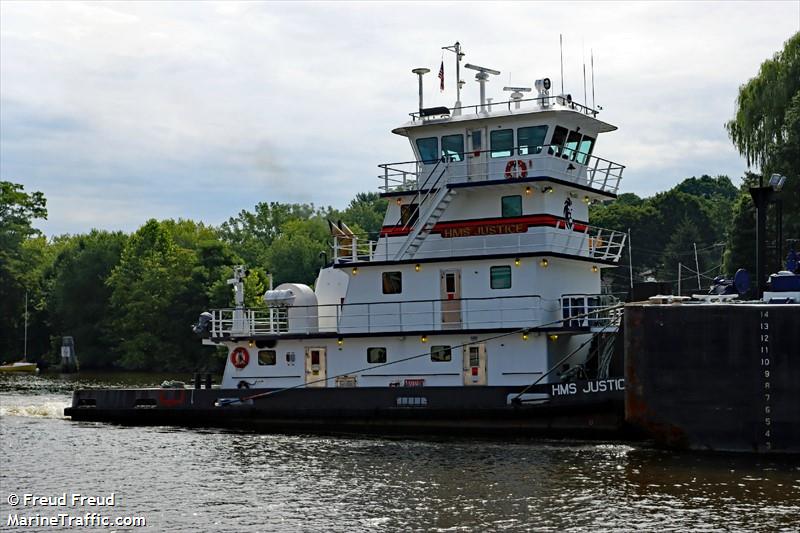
column 240, row 357
column 516, row 169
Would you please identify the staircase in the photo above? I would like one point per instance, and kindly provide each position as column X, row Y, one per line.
column 437, row 204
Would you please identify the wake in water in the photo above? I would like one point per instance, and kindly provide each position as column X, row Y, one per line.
column 52, row 409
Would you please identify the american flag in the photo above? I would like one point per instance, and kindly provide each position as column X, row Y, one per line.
column 441, row 77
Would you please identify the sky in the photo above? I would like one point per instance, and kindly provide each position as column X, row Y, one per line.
column 120, row 112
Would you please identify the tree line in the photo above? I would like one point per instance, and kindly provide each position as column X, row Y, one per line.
column 129, row 299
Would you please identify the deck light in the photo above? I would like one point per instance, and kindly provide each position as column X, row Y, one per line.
column 594, row 269
column 528, row 191
column 340, row 341
column 544, row 262
column 547, row 189
column 517, row 261
column 553, row 337
column 417, row 267
column 525, row 335
column 587, row 200
column 423, row 338
column 399, row 200
column 251, row 343
column 355, row 270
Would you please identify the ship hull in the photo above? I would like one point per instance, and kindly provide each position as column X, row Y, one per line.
column 398, row 410
column 714, row 377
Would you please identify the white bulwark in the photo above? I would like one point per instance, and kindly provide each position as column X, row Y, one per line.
column 486, row 271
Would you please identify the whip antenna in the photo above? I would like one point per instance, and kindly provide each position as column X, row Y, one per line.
column 561, row 49
column 591, row 55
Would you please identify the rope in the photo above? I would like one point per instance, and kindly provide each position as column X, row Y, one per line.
column 410, row 358
column 516, row 398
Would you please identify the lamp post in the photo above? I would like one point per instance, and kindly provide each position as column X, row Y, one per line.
column 762, row 196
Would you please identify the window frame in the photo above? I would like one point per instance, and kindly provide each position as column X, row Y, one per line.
column 453, row 156
column 399, row 281
column 274, row 357
column 369, row 354
column 503, row 205
column 496, row 268
column 434, row 153
column 494, row 154
column 526, row 148
column 446, row 352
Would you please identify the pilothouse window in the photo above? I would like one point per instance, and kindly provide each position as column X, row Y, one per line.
column 585, row 150
column 502, row 142
column 453, row 147
column 428, row 149
column 530, row 140
column 571, row 146
column 558, row 140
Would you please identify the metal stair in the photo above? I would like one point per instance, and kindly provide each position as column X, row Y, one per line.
column 437, row 204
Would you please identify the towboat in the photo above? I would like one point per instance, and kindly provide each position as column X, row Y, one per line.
column 477, row 308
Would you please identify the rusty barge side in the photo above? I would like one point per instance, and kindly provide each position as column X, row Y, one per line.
column 722, row 377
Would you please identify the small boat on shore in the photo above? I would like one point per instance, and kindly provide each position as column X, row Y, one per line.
column 20, row 367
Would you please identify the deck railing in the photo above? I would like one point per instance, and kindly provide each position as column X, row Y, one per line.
column 549, row 160
column 581, row 240
column 420, row 316
column 523, row 105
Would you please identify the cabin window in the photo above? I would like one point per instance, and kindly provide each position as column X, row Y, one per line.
column 585, row 150
column 453, row 147
column 558, row 140
column 500, row 277
column 573, row 140
column 428, row 149
column 392, row 282
column 530, row 140
column 511, row 206
column 408, row 214
column 376, row 355
column 267, row 357
column 502, row 142
column 441, row 354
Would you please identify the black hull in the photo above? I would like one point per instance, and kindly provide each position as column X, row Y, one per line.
column 714, row 377
column 447, row 410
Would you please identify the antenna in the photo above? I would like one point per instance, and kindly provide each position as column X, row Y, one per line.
column 420, row 72
column 561, row 49
column 482, row 77
column 456, row 49
column 591, row 54
column 516, row 95
column 584, row 82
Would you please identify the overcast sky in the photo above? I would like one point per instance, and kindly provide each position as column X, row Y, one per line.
column 120, row 112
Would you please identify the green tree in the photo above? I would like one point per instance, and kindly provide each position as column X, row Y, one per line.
column 766, row 130
column 19, row 261
column 78, row 302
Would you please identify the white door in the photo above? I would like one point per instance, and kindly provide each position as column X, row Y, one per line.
column 315, row 367
column 475, row 364
column 477, row 144
column 451, row 298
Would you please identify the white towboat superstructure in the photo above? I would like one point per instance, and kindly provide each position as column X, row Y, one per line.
column 486, row 272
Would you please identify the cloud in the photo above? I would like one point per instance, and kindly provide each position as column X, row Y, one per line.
column 123, row 111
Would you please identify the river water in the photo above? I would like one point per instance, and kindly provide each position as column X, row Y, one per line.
column 215, row 480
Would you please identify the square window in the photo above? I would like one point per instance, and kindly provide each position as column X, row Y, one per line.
column 531, row 139
column 428, row 149
column 441, row 354
column 502, row 142
column 267, row 357
column 376, row 355
column 392, row 282
column 453, row 147
column 511, row 206
column 500, row 277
